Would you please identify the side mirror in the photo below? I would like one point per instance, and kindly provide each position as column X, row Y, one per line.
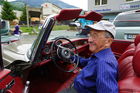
column 3, row 24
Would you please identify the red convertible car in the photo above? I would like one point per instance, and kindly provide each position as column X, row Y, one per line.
column 48, row 69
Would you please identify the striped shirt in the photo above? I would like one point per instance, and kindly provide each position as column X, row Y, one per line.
column 99, row 74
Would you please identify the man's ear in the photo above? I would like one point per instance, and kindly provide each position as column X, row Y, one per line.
column 108, row 42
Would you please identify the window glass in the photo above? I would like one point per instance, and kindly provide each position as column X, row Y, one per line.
column 97, row 2
column 129, row 0
column 129, row 20
column 104, row 2
column 127, row 23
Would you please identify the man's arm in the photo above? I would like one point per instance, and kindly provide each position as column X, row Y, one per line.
column 106, row 78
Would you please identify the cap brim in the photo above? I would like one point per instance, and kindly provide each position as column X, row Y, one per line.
column 95, row 27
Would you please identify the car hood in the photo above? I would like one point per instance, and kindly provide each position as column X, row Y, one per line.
column 19, row 49
column 14, row 51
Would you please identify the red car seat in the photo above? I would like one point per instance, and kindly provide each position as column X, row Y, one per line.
column 125, row 61
column 136, row 41
column 132, row 84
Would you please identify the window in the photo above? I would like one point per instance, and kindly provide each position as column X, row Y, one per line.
column 100, row 2
column 104, row 2
column 129, row 0
column 97, row 2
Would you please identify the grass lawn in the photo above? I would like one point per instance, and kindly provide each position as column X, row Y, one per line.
column 28, row 29
column 35, row 28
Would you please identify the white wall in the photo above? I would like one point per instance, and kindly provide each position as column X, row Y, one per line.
column 18, row 13
column 49, row 9
column 114, row 6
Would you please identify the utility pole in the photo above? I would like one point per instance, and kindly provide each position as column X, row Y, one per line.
column 27, row 13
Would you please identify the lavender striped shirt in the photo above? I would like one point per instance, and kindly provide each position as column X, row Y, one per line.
column 99, row 74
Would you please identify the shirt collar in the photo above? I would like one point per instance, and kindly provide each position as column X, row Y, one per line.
column 102, row 53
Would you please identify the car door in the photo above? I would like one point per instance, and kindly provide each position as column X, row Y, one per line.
column 11, row 80
column 8, row 83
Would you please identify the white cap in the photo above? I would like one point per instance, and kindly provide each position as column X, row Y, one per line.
column 104, row 25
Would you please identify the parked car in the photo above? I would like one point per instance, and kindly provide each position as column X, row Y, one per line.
column 127, row 25
column 5, row 27
column 46, row 68
column 6, row 36
column 83, row 20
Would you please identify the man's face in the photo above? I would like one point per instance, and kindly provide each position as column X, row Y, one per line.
column 97, row 41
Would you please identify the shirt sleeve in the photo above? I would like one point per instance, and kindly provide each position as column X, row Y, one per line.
column 106, row 78
column 82, row 61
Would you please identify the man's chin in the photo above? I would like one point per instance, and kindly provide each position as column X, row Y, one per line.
column 92, row 49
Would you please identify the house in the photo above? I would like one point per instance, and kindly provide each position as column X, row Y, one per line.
column 110, row 8
column 49, row 9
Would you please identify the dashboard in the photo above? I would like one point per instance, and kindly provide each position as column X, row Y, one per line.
column 80, row 44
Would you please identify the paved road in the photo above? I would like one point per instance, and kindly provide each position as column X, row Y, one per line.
column 28, row 39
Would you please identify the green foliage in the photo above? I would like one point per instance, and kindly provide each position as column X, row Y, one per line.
column 1, row 2
column 28, row 29
column 7, row 12
column 23, row 16
column 60, row 27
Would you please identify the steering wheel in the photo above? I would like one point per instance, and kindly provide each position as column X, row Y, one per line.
column 62, row 49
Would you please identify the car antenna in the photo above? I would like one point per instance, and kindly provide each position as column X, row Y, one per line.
column 1, row 61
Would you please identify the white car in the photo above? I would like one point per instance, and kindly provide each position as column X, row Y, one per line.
column 127, row 25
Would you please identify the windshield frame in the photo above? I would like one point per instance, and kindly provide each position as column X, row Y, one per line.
column 1, row 60
column 39, row 43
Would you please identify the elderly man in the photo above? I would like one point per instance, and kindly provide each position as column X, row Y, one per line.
column 99, row 74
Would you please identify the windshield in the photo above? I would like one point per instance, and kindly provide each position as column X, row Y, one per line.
column 50, row 30
column 127, row 20
column 68, row 32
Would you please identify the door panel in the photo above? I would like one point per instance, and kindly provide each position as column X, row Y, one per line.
column 119, row 46
column 10, row 84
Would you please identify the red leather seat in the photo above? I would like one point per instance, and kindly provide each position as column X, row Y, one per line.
column 129, row 52
column 136, row 41
column 132, row 84
column 126, row 68
column 130, row 49
column 125, row 61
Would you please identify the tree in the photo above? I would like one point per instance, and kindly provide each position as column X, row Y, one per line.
column 1, row 2
column 24, row 15
column 7, row 12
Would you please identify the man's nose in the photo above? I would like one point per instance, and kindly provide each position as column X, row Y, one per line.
column 90, row 39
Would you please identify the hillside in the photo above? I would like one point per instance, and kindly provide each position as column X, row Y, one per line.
column 37, row 3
